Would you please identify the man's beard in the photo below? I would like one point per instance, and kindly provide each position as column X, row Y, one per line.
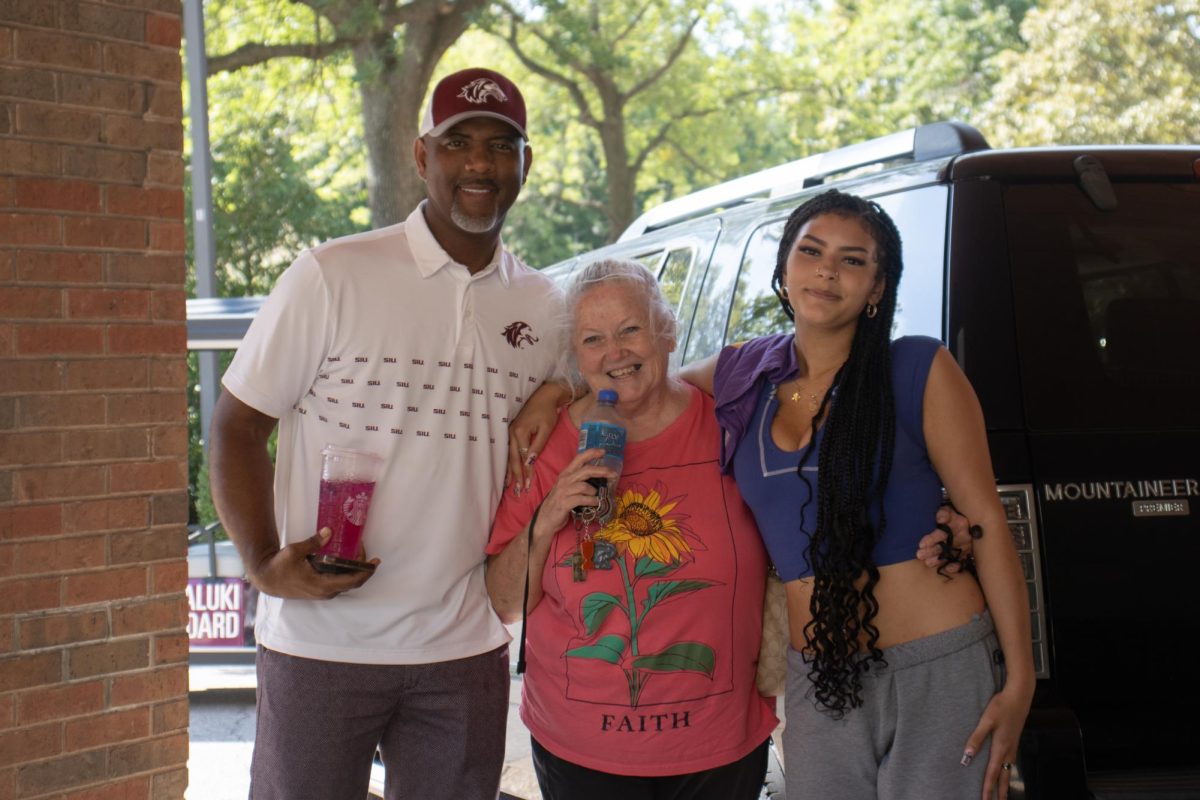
column 472, row 224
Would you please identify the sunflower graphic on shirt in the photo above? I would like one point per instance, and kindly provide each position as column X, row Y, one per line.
column 652, row 540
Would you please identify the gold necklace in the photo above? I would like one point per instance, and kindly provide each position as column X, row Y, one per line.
column 814, row 398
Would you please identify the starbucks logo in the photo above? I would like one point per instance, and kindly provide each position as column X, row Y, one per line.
column 355, row 508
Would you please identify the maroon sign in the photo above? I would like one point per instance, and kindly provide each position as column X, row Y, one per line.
column 216, row 611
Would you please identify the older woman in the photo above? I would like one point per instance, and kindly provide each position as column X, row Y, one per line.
column 640, row 681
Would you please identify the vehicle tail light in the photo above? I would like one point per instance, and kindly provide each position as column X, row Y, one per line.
column 1017, row 500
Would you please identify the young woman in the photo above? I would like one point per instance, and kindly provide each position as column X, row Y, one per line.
column 841, row 441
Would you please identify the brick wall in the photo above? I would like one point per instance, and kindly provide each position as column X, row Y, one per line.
column 93, row 439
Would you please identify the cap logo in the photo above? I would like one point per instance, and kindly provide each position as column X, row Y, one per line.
column 480, row 89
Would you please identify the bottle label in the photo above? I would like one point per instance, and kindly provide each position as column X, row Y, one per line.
column 602, row 434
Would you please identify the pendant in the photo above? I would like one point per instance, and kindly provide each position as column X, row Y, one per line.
column 590, row 554
column 813, row 403
column 583, row 559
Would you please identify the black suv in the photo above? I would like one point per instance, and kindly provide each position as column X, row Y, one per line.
column 1066, row 281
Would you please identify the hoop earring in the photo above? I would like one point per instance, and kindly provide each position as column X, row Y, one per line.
column 872, row 310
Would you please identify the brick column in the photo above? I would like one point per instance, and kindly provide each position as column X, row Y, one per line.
column 93, row 431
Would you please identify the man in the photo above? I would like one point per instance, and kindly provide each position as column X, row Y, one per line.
column 417, row 342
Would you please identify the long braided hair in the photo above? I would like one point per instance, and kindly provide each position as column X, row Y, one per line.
column 854, row 464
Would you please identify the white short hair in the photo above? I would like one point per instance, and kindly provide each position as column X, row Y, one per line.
column 663, row 325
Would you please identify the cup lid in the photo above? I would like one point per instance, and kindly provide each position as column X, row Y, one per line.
column 349, row 452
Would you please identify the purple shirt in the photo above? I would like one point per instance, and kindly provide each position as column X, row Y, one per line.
column 735, row 383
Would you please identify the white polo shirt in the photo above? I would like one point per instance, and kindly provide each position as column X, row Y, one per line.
column 381, row 341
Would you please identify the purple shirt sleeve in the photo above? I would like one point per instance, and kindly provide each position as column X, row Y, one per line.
column 736, row 381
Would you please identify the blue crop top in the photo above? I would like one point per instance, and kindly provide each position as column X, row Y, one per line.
column 767, row 479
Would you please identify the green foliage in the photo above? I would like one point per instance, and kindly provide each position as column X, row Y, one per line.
column 596, row 608
column 607, row 648
column 201, row 508
column 554, row 220
column 372, row 60
column 268, row 206
column 884, row 65
column 652, row 82
column 720, row 100
column 663, row 590
column 1112, row 71
column 229, row 24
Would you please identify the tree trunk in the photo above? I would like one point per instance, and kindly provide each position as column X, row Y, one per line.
column 618, row 172
column 391, row 107
column 621, row 182
column 396, row 80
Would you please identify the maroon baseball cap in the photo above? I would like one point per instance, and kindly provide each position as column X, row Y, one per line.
column 475, row 92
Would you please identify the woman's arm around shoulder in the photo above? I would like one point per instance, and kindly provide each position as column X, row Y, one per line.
column 956, row 439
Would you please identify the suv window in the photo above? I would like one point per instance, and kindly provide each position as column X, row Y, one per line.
column 756, row 310
column 920, row 216
column 674, row 275
column 649, row 260
column 1106, row 305
column 672, row 271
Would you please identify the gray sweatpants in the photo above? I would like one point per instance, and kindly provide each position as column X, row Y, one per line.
column 906, row 741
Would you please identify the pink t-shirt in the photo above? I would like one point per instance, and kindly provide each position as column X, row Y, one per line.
column 669, row 688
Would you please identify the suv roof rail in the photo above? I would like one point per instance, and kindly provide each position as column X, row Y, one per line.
column 924, row 143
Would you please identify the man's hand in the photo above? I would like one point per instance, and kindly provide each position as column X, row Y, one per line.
column 287, row 573
column 242, row 476
column 954, row 528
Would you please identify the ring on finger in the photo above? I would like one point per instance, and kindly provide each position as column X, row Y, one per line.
column 1006, row 766
column 523, row 450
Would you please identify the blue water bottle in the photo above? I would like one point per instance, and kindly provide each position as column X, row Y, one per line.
column 601, row 428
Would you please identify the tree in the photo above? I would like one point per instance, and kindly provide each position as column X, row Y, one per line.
column 884, row 65
column 560, row 214
column 395, row 47
column 633, row 73
column 266, row 207
column 1113, row 71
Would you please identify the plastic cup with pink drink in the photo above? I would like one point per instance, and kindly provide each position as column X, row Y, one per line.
column 347, row 483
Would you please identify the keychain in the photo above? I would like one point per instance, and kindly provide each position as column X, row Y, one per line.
column 584, row 558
